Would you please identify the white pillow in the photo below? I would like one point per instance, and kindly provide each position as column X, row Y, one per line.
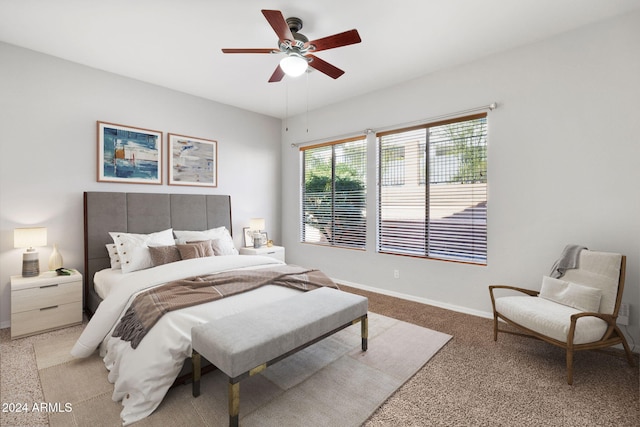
column 133, row 249
column 223, row 246
column 571, row 294
column 113, row 256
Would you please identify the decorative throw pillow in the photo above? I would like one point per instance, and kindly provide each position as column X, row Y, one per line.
column 196, row 249
column 164, row 254
column 133, row 249
column 184, row 236
column 113, row 256
column 226, row 247
column 223, row 246
column 580, row 297
column 205, row 246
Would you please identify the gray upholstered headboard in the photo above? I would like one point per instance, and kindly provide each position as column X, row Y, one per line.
column 142, row 213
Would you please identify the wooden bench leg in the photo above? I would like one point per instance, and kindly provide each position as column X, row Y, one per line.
column 195, row 361
column 234, row 403
column 364, row 329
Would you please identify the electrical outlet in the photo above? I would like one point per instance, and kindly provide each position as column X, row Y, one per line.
column 623, row 314
column 396, row 274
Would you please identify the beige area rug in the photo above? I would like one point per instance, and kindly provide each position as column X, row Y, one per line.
column 328, row 384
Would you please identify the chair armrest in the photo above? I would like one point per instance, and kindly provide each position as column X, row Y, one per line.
column 513, row 288
column 606, row 317
column 610, row 319
column 510, row 288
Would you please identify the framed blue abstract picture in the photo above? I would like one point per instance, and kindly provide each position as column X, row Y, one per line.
column 193, row 161
column 130, row 155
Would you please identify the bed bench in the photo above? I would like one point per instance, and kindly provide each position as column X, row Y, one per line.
column 244, row 344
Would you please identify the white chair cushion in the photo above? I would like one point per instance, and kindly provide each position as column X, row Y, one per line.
column 550, row 318
column 599, row 270
column 580, row 297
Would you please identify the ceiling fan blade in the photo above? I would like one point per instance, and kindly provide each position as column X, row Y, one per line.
column 324, row 67
column 277, row 75
column 278, row 23
column 249, row 51
column 336, row 40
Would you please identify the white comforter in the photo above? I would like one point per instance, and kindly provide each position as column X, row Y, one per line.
column 141, row 377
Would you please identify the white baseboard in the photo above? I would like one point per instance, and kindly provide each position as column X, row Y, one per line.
column 427, row 301
column 5, row 324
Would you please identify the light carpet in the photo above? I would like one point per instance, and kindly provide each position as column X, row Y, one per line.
column 331, row 383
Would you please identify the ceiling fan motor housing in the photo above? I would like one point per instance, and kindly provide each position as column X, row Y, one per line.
column 295, row 24
column 297, row 45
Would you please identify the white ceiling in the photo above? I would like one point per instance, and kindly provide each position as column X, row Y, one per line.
column 176, row 43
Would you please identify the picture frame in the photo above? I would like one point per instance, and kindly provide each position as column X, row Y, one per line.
column 129, row 154
column 248, row 237
column 192, row 161
column 265, row 238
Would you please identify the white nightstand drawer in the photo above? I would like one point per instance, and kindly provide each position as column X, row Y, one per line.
column 276, row 252
column 44, row 296
column 36, row 321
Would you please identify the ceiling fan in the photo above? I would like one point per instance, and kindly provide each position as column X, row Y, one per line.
column 298, row 49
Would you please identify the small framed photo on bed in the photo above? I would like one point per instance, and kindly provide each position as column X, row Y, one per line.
column 193, row 161
column 129, row 155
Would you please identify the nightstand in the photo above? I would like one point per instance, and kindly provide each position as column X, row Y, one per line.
column 45, row 302
column 276, row 252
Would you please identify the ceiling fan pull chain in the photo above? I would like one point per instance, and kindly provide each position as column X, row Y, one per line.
column 286, row 106
column 307, row 112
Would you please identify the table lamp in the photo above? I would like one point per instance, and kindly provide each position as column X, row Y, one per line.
column 28, row 238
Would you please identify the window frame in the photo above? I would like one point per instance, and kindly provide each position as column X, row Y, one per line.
column 333, row 237
column 384, row 243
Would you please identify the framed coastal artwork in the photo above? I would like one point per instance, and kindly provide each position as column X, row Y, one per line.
column 129, row 155
column 193, row 161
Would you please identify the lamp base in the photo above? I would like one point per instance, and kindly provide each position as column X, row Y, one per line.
column 30, row 264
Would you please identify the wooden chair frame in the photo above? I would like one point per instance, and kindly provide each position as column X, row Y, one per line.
column 612, row 336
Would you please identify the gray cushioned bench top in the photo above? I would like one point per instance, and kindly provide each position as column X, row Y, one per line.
column 242, row 341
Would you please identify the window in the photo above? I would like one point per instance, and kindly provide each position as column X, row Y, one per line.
column 393, row 164
column 440, row 210
column 334, row 194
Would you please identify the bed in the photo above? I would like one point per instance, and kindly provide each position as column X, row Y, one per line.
column 143, row 213
column 143, row 375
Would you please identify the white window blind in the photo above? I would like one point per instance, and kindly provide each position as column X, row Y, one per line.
column 439, row 209
column 334, row 194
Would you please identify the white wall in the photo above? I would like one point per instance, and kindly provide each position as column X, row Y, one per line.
column 48, row 113
column 563, row 165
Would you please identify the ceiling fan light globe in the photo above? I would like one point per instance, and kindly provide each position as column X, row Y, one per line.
column 294, row 66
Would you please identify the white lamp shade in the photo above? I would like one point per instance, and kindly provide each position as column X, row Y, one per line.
column 256, row 224
column 29, row 237
column 294, row 65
